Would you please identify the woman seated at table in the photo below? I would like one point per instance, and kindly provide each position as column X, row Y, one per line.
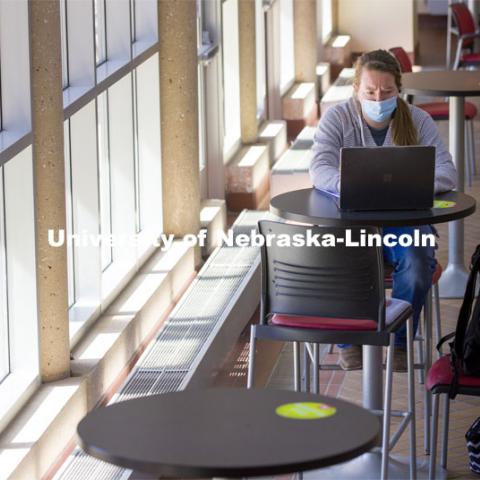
column 376, row 116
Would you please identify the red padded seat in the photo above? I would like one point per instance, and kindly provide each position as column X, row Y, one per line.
column 394, row 307
column 470, row 58
column 441, row 374
column 440, row 110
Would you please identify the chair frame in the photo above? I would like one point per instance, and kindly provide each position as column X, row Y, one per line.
column 463, row 36
column 383, row 336
column 436, row 392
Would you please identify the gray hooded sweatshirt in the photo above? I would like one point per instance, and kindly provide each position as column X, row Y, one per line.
column 342, row 125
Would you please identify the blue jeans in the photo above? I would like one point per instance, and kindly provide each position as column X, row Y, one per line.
column 412, row 277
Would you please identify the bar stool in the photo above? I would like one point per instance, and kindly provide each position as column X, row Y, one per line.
column 424, row 338
column 438, row 382
column 321, row 296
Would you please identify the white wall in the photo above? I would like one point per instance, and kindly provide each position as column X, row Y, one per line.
column 377, row 23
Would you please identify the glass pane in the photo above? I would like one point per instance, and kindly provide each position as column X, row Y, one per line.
column 136, row 156
column 201, row 90
column 69, row 213
column 104, row 180
column 100, row 31
column 63, row 29
column 201, row 118
column 4, row 338
column 132, row 20
column 287, row 66
column 327, row 22
column 231, row 74
column 260, row 57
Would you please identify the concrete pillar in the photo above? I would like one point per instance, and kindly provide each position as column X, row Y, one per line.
column 48, row 161
column 177, row 31
column 305, row 39
column 248, row 71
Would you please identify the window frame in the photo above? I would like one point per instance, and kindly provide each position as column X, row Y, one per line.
column 232, row 138
column 261, row 60
column 287, row 81
column 4, row 323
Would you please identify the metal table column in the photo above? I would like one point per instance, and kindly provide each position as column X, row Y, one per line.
column 454, row 278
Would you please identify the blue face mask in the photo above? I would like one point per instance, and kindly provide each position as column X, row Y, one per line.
column 379, row 111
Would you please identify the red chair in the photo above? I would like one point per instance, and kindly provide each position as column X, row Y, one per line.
column 440, row 111
column 439, row 378
column 467, row 32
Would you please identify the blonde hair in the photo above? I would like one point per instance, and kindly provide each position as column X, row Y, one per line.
column 404, row 131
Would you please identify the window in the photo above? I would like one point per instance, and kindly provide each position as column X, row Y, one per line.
column 64, row 40
column 100, row 31
column 327, row 19
column 231, row 77
column 113, row 189
column 136, row 156
column 18, row 307
column 148, row 170
column 260, row 58
column 203, row 40
column 143, row 24
column 287, row 59
column 69, row 213
column 4, row 340
column 19, row 362
column 133, row 26
column 104, row 176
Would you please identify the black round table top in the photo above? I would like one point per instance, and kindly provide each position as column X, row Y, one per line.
column 312, row 206
column 449, row 83
column 226, row 432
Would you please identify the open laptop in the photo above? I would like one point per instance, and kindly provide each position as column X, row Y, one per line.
column 387, row 178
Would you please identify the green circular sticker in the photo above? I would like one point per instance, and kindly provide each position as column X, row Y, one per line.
column 443, row 204
column 305, row 410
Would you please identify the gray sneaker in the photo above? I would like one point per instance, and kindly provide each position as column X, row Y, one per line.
column 351, row 357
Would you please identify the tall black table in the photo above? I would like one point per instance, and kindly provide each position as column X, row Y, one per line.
column 455, row 84
column 228, row 432
column 315, row 207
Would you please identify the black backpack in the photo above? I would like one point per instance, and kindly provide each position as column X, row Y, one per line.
column 465, row 348
column 473, row 446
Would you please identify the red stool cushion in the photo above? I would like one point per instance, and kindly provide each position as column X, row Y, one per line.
column 394, row 307
column 440, row 110
column 323, row 323
column 441, row 374
column 471, row 58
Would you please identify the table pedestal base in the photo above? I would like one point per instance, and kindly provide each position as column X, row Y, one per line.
column 453, row 281
column 368, row 466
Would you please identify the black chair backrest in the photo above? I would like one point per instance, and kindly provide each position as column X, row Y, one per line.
column 341, row 281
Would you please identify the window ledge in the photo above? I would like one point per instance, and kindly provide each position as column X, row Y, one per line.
column 141, row 46
column 72, row 94
column 109, row 67
column 13, row 142
column 43, row 429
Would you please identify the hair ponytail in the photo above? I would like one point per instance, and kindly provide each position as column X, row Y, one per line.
column 404, row 131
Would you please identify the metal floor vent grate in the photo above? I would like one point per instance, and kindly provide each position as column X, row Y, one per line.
column 165, row 365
